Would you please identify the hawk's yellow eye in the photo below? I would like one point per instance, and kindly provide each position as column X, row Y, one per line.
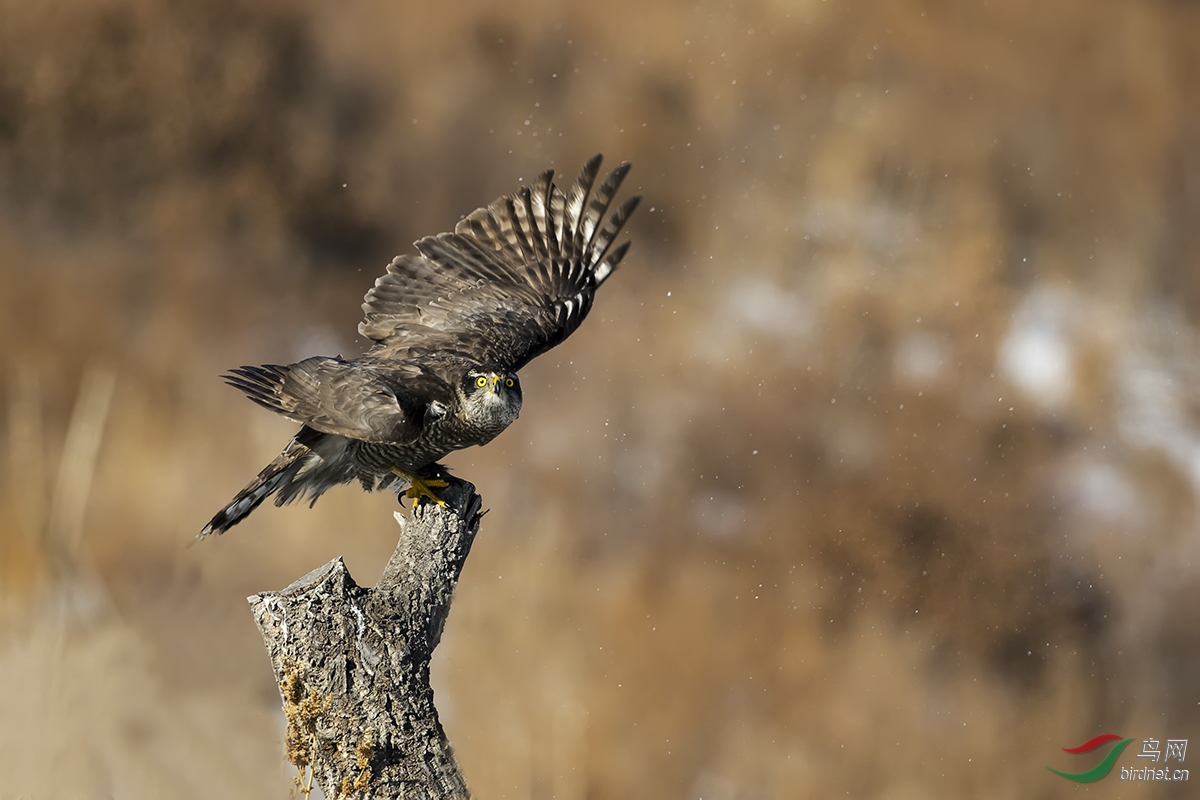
column 481, row 381
column 509, row 382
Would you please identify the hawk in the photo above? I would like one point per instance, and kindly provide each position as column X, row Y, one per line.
column 451, row 326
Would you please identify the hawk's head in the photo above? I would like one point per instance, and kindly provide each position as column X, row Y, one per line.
column 491, row 399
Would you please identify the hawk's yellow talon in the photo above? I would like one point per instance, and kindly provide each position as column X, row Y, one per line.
column 421, row 487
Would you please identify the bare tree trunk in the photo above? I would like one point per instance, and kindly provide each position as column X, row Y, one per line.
column 353, row 663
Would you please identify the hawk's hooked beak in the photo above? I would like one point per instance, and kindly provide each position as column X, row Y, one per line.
column 497, row 383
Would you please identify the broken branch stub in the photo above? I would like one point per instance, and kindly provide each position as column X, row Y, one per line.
column 352, row 663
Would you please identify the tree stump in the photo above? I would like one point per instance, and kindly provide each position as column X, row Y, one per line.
column 353, row 663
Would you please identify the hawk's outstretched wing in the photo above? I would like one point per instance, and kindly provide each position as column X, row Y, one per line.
column 345, row 398
column 514, row 279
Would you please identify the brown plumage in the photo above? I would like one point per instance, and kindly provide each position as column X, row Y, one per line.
column 451, row 327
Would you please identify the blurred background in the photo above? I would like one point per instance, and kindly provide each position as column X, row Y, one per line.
column 874, row 472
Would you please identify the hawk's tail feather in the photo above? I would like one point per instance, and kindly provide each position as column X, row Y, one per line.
column 276, row 477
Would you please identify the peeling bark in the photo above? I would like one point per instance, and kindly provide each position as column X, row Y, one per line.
column 353, row 663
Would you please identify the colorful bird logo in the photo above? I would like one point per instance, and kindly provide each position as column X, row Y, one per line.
column 1104, row 767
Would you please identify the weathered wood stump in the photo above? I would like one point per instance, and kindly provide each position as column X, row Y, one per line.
column 353, row 663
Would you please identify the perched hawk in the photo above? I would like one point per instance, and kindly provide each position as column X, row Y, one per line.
column 451, row 327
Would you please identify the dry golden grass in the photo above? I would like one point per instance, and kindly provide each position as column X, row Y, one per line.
column 871, row 475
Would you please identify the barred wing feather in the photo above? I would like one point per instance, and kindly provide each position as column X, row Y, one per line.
column 514, row 279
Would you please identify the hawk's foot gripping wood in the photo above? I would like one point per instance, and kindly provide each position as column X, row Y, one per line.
column 421, row 487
